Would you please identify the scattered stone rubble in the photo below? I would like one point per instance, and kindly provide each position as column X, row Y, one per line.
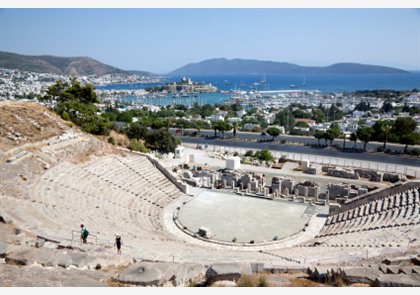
column 255, row 184
column 403, row 272
column 63, row 137
column 371, row 175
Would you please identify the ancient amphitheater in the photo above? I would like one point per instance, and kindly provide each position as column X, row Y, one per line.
column 54, row 177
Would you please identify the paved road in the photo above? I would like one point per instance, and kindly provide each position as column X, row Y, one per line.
column 300, row 139
column 319, row 151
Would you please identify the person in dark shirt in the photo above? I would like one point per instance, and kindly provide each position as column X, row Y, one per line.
column 83, row 233
column 118, row 242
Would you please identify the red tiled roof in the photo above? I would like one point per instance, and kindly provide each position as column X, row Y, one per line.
column 309, row 121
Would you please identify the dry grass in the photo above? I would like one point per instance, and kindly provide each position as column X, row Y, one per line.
column 302, row 282
column 18, row 117
column 119, row 139
column 253, row 280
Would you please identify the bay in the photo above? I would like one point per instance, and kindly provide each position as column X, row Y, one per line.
column 261, row 82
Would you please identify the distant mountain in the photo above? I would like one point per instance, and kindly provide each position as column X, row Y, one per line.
column 72, row 66
column 221, row 66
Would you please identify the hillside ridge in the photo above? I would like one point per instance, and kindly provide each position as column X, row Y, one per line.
column 220, row 66
column 72, row 66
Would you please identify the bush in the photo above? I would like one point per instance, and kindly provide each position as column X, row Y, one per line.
column 283, row 141
column 414, row 152
column 249, row 153
column 65, row 116
column 138, row 146
column 111, row 140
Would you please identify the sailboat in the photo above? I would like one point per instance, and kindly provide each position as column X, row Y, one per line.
column 263, row 80
column 295, row 86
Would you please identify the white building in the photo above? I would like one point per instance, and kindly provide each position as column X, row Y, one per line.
column 233, row 120
column 217, row 117
column 241, row 113
column 233, row 163
column 179, row 152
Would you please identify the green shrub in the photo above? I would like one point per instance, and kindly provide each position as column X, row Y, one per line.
column 249, row 153
column 138, row 146
column 65, row 116
column 414, row 152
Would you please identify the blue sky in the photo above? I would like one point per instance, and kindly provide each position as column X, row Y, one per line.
column 162, row 39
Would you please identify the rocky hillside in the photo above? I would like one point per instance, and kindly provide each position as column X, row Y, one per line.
column 74, row 66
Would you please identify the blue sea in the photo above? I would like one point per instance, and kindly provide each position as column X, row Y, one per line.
column 323, row 83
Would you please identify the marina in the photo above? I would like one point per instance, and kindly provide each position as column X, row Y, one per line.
column 267, row 92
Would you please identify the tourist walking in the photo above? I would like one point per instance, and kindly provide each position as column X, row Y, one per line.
column 83, row 233
column 118, row 242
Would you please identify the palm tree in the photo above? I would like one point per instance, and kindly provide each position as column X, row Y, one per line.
column 235, row 126
column 386, row 128
column 353, row 137
column 343, row 135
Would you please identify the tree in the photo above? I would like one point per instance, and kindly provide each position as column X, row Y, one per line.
column 333, row 132
column 302, row 124
column 125, row 116
column 362, row 106
column 364, row 134
column 273, row 131
column 161, row 140
column 402, row 126
column 353, row 137
column 136, row 131
column 386, row 107
column 410, row 139
column 77, row 103
column 235, row 127
column 301, row 114
column 56, row 89
column 285, row 118
column 317, row 115
column 95, row 124
column 63, row 92
column 343, row 135
column 158, row 124
column 222, row 126
column 215, row 126
column 386, row 128
column 381, row 132
column 168, row 123
column 319, row 135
